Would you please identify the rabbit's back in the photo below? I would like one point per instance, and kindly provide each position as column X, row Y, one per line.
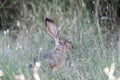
column 50, row 54
column 54, row 57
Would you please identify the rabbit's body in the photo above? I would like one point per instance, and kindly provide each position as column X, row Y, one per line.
column 57, row 56
column 53, row 55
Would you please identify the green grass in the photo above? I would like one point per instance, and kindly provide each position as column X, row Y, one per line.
column 88, row 59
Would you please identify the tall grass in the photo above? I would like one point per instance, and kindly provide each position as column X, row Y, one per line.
column 86, row 62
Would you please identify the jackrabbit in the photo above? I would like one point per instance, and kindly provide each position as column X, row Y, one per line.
column 56, row 57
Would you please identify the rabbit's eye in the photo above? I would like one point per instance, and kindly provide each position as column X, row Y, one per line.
column 62, row 42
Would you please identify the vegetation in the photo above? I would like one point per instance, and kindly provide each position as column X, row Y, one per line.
column 23, row 36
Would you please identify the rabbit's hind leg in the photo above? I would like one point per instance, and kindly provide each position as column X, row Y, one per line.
column 54, row 67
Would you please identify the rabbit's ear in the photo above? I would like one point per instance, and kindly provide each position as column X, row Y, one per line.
column 52, row 29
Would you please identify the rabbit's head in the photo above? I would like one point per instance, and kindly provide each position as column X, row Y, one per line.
column 61, row 43
column 64, row 44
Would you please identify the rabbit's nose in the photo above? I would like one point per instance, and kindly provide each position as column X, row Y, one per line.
column 71, row 47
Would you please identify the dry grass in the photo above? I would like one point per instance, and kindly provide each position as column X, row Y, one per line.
column 110, row 72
